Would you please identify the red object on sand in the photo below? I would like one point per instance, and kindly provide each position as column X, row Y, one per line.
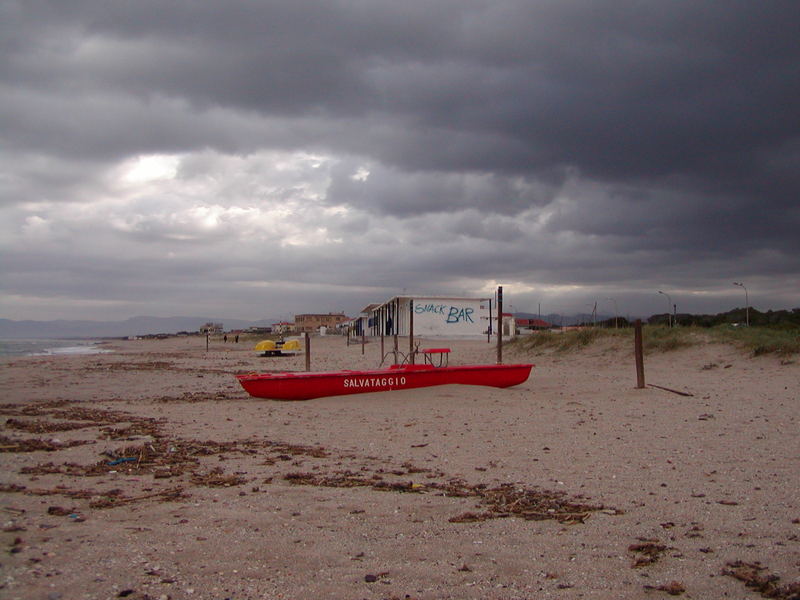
column 305, row 385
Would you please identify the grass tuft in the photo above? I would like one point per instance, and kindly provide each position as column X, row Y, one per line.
column 568, row 340
column 760, row 340
column 668, row 339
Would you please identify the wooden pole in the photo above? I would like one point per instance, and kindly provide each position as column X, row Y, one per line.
column 395, row 325
column 637, row 340
column 489, row 328
column 308, row 352
column 363, row 338
column 500, row 325
column 206, row 342
column 411, row 331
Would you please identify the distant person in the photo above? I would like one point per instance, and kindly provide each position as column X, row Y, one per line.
column 236, row 339
column 225, row 339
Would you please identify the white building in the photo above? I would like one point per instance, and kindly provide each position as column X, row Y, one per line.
column 433, row 316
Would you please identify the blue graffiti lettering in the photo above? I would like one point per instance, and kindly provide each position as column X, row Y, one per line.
column 437, row 309
column 457, row 315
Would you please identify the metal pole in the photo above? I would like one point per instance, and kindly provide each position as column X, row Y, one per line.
column 746, row 302
column 669, row 308
column 747, row 306
column 500, row 325
column 308, row 352
column 638, row 351
column 616, row 313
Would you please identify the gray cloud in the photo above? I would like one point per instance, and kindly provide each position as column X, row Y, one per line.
column 568, row 148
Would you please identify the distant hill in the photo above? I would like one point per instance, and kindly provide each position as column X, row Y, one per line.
column 99, row 329
column 566, row 320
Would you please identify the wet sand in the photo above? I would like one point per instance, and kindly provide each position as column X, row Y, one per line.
column 149, row 473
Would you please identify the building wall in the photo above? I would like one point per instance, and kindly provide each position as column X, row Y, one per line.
column 312, row 322
column 211, row 328
column 433, row 317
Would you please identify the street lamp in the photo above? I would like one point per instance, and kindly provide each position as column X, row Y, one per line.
column 669, row 308
column 746, row 302
column 594, row 313
column 616, row 312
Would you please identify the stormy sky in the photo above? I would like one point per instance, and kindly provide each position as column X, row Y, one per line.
column 256, row 159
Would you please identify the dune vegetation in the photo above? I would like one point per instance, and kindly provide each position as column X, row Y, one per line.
column 754, row 340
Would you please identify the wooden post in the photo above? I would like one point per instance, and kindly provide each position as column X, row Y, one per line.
column 363, row 338
column 411, row 331
column 348, row 336
column 395, row 326
column 382, row 326
column 500, row 325
column 489, row 328
column 308, row 352
column 637, row 335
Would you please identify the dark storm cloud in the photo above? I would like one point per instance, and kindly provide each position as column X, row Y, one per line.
column 619, row 89
column 403, row 194
column 548, row 142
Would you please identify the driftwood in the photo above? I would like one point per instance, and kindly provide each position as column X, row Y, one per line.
column 666, row 389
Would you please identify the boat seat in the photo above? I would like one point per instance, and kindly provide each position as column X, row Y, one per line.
column 442, row 356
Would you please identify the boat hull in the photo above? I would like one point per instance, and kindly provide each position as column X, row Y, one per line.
column 306, row 386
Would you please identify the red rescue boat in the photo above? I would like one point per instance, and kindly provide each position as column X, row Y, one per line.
column 308, row 385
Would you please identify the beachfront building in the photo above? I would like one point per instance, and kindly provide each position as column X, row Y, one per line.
column 259, row 330
column 509, row 325
column 533, row 324
column 282, row 328
column 211, row 329
column 316, row 322
column 433, row 316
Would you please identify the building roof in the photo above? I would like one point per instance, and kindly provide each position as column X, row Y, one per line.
column 370, row 307
column 534, row 323
column 373, row 306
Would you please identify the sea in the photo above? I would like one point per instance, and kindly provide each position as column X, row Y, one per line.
column 9, row 348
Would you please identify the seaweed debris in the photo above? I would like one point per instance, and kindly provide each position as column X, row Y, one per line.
column 507, row 500
column 646, row 553
column 756, row 576
column 8, row 444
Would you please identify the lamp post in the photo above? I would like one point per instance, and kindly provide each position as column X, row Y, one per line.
column 746, row 302
column 594, row 313
column 669, row 308
column 616, row 312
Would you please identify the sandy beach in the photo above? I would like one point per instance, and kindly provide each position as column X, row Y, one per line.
column 147, row 472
